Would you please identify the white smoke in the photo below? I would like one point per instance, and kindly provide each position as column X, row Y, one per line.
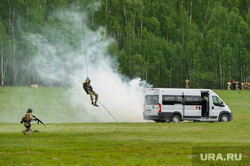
column 64, row 64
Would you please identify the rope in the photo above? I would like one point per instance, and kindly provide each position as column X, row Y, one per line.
column 117, row 127
column 86, row 63
column 86, row 60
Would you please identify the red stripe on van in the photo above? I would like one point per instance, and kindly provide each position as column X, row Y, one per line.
column 160, row 107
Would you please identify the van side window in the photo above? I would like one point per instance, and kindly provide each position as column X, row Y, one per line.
column 152, row 99
column 217, row 101
column 192, row 100
column 171, row 100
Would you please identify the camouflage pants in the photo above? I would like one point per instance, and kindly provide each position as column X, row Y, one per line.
column 93, row 93
column 28, row 128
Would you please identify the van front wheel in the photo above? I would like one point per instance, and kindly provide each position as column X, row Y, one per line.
column 176, row 119
column 224, row 118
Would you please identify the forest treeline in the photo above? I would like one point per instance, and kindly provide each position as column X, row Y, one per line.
column 161, row 41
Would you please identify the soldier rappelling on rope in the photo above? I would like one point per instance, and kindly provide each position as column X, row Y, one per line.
column 89, row 90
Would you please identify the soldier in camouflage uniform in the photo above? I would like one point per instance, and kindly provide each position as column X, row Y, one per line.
column 89, row 90
column 26, row 119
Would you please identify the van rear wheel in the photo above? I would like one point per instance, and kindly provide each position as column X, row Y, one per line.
column 176, row 119
column 224, row 118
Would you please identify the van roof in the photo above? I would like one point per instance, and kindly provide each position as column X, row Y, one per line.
column 177, row 90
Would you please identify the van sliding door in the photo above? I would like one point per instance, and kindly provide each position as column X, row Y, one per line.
column 192, row 104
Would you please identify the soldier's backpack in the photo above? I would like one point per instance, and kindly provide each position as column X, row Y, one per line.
column 25, row 119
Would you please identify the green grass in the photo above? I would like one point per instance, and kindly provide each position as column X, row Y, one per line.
column 96, row 144
column 50, row 102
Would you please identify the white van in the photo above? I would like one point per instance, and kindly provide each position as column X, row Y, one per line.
column 165, row 104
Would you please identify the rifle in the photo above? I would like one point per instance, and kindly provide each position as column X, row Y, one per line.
column 38, row 120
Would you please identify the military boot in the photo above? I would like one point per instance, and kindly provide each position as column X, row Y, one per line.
column 96, row 105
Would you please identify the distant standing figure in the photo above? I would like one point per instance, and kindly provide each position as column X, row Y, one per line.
column 229, row 85
column 247, row 84
column 242, row 85
column 237, row 85
column 89, row 90
column 26, row 119
column 233, row 85
column 187, row 81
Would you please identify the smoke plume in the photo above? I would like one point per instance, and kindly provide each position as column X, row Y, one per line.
column 66, row 56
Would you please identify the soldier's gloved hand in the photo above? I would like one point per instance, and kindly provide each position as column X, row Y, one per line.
column 21, row 122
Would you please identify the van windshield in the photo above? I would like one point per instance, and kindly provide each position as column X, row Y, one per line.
column 152, row 99
column 217, row 101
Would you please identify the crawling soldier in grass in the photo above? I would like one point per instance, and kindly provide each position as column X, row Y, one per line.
column 89, row 90
column 26, row 119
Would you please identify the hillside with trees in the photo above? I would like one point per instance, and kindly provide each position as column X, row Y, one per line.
column 163, row 41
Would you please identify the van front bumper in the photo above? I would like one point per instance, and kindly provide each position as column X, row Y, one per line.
column 231, row 116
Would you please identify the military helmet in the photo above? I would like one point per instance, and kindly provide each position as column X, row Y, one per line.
column 29, row 110
column 87, row 80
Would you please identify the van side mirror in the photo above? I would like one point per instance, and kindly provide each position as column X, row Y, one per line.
column 212, row 107
column 222, row 104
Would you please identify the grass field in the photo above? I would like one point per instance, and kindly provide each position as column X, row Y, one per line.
column 97, row 144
